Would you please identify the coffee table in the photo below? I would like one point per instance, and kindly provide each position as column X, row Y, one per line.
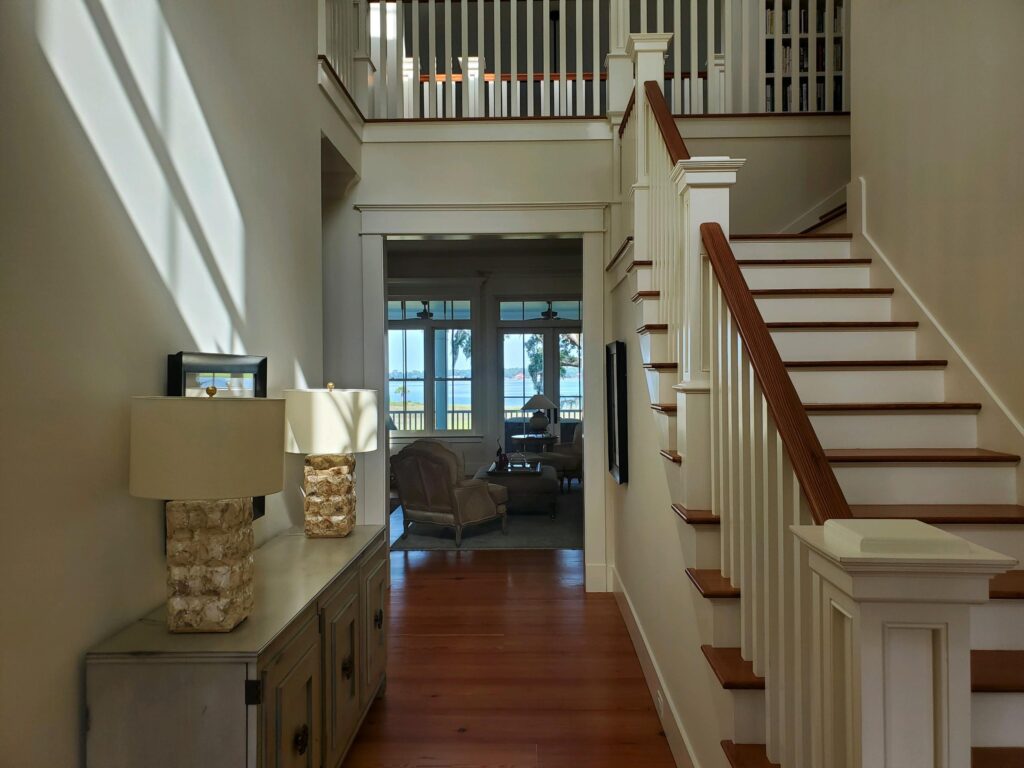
column 533, row 491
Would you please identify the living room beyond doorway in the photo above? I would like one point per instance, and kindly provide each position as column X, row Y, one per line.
column 485, row 392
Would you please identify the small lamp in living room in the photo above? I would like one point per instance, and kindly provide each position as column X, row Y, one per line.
column 542, row 408
column 210, row 456
column 329, row 426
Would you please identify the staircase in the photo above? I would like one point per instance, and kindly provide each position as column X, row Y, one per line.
column 897, row 446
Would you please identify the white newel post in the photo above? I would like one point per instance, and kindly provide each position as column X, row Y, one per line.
column 647, row 53
column 703, row 184
column 890, row 645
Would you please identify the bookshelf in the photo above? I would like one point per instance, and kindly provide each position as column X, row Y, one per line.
column 804, row 54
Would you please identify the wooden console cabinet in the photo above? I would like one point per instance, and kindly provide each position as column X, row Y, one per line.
column 288, row 687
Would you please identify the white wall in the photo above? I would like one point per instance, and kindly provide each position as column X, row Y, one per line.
column 796, row 165
column 936, row 125
column 159, row 191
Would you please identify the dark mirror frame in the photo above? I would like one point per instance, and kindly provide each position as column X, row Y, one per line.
column 618, row 414
column 181, row 364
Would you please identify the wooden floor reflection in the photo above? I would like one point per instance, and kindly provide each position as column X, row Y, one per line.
column 500, row 659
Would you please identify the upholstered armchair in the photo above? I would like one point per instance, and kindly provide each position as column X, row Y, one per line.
column 433, row 489
column 566, row 458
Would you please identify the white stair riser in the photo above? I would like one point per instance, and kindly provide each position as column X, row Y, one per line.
column 726, row 623
column 996, row 719
column 896, row 430
column 748, row 716
column 998, row 625
column 660, row 385
column 905, row 385
column 1005, row 539
column 854, row 276
column 653, row 346
column 665, row 424
column 791, row 249
column 824, row 308
column 646, row 311
column 642, row 278
column 846, row 345
column 931, row 483
column 701, row 545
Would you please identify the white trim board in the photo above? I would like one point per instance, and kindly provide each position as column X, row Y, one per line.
column 678, row 740
column 877, row 249
column 482, row 219
column 462, row 131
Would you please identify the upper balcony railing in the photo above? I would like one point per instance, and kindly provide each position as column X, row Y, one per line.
column 457, row 59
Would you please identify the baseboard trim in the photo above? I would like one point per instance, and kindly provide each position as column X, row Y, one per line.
column 671, row 723
column 812, row 215
column 877, row 249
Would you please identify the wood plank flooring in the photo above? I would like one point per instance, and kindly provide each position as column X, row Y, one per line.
column 499, row 659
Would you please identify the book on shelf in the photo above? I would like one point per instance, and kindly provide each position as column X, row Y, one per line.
column 803, row 96
column 803, row 21
column 769, row 97
column 820, row 96
column 837, row 56
column 837, row 20
column 787, row 59
column 785, row 21
column 803, row 59
column 769, row 21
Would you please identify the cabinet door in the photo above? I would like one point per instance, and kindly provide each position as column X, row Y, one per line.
column 342, row 670
column 374, row 575
column 291, row 703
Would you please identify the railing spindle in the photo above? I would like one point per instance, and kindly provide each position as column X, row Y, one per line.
column 465, row 88
column 498, row 110
column 545, row 93
column 513, row 57
column 595, row 78
column 581, row 93
column 562, row 54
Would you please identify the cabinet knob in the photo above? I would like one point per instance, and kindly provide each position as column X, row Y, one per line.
column 347, row 667
column 378, row 618
column 302, row 740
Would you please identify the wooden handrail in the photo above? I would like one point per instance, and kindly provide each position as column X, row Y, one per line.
column 817, row 480
column 629, row 111
column 666, row 124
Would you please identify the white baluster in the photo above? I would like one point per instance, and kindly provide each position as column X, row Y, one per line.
column 464, row 50
column 745, row 540
column 562, row 90
column 595, row 80
column 513, row 57
column 432, row 61
column 677, row 57
column 695, row 107
column 499, row 102
column 449, row 81
column 545, row 91
column 755, row 501
column 529, row 58
column 772, row 505
column 416, row 88
column 643, row 16
column 581, row 92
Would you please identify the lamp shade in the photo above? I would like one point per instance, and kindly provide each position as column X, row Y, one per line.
column 539, row 403
column 330, row 420
column 185, row 448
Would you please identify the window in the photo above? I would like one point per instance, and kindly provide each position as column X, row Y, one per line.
column 523, row 355
column 430, row 365
column 540, row 310
column 570, row 376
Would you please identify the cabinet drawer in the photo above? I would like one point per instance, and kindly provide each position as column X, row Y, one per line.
column 290, row 711
column 342, row 665
column 373, row 576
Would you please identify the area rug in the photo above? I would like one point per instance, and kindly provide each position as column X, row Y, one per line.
column 525, row 530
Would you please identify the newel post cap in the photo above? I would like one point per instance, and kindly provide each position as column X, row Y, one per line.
column 706, row 171
column 900, row 561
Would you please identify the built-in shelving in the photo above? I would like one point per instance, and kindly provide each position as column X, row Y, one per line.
column 804, row 54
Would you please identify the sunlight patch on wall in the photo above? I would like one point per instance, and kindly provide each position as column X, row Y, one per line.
column 160, row 74
column 77, row 55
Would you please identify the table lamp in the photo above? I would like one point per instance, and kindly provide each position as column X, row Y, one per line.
column 329, row 426
column 539, row 405
column 209, row 456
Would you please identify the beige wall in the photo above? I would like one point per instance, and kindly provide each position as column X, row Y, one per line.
column 124, row 239
column 795, row 166
column 937, row 119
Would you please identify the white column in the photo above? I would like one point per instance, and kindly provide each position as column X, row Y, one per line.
column 373, row 489
column 891, row 666
column 596, row 556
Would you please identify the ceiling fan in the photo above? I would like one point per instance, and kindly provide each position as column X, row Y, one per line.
column 549, row 313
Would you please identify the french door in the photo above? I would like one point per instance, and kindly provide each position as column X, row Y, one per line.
column 541, row 361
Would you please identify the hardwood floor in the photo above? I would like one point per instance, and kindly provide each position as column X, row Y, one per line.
column 499, row 659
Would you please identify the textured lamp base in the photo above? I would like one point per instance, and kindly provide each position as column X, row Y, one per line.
column 330, row 487
column 209, row 564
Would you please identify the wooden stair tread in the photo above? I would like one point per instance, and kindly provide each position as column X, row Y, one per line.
column 695, row 516
column 801, row 262
column 1007, row 586
column 793, row 236
column 889, row 407
column 645, row 295
column 731, row 669
column 822, row 292
column 997, row 671
column 841, row 325
column 670, row 408
column 747, row 755
column 919, row 455
column 711, row 583
column 997, row 757
column 672, row 456
column 840, row 364
column 653, row 328
column 661, row 366
column 942, row 514
column 639, row 263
